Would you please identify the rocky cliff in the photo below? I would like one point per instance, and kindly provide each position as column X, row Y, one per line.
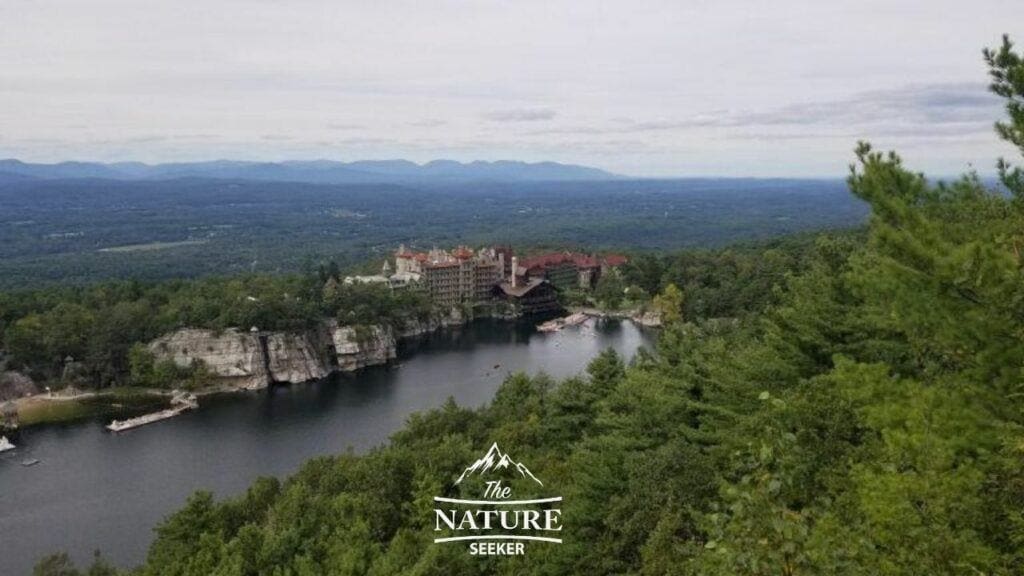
column 255, row 359
column 231, row 355
column 294, row 357
column 357, row 347
column 418, row 327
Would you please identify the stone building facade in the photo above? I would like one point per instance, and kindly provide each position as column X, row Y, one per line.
column 462, row 276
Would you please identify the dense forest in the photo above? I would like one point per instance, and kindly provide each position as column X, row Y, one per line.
column 100, row 329
column 864, row 419
column 61, row 232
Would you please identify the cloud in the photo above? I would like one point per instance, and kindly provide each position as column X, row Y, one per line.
column 427, row 123
column 145, row 139
column 922, row 104
column 918, row 110
column 345, row 126
column 497, row 81
column 195, row 136
column 521, row 115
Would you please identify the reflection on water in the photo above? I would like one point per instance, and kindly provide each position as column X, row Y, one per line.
column 94, row 489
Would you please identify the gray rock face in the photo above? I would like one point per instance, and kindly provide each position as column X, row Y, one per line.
column 15, row 385
column 294, row 358
column 417, row 327
column 648, row 319
column 231, row 355
column 240, row 359
column 362, row 346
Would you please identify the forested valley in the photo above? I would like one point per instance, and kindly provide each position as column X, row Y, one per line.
column 78, row 232
column 860, row 414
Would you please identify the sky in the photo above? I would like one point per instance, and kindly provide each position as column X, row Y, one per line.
column 644, row 88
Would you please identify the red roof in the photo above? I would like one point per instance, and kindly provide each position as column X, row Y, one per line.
column 556, row 258
column 615, row 260
column 584, row 261
column 544, row 260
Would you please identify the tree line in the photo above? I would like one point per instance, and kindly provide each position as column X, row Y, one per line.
column 865, row 419
column 100, row 330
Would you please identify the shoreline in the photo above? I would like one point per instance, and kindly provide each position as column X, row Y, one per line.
column 647, row 319
column 71, row 405
column 74, row 405
column 68, row 406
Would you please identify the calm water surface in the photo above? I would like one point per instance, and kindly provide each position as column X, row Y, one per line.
column 94, row 489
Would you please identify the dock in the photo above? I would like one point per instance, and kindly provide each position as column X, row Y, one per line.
column 180, row 402
column 559, row 323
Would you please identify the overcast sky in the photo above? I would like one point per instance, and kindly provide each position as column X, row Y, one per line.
column 674, row 88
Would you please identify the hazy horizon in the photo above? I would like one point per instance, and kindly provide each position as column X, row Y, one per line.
column 989, row 174
column 648, row 90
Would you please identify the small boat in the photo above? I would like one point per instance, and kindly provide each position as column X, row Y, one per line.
column 30, row 462
column 5, row 444
column 496, row 366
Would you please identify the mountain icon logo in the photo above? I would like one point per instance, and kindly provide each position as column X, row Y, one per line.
column 496, row 460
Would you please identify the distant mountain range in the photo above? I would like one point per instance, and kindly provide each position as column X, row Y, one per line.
column 496, row 460
column 314, row 171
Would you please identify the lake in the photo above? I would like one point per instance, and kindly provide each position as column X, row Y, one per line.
column 97, row 490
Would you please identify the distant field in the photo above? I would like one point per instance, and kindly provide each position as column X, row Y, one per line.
column 152, row 246
column 85, row 230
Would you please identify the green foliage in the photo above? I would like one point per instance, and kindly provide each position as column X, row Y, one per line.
column 860, row 414
column 359, row 304
column 94, row 336
column 61, row 565
column 1006, row 68
column 145, row 370
column 729, row 282
column 669, row 304
column 610, row 290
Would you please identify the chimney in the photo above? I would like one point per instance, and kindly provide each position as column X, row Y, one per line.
column 515, row 271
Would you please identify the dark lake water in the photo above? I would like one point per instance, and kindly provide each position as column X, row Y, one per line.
column 98, row 490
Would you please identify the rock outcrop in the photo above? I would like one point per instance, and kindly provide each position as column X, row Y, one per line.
column 294, row 357
column 418, row 327
column 14, row 385
column 230, row 355
column 256, row 359
column 357, row 347
column 648, row 319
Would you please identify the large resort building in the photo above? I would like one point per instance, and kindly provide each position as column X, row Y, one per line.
column 464, row 277
column 461, row 276
column 568, row 270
